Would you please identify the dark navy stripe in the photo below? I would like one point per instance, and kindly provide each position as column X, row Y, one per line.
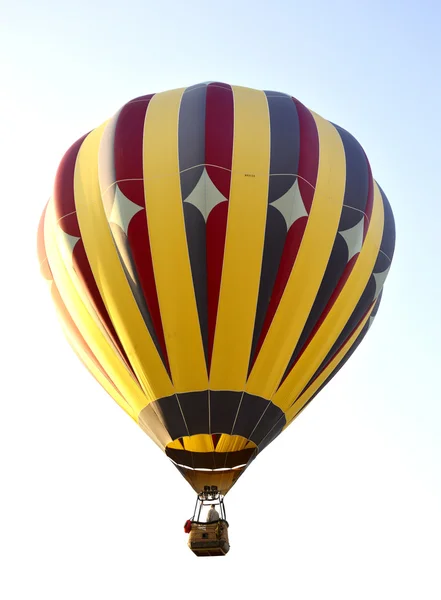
column 336, row 265
column 195, row 408
column 388, row 240
column 223, row 410
column 360, row 310
column 285, row 144
column 354, row 204
column 192, row 137
column 368, row 295
column 233, row 413
column 256, row 417
column 357, row 181
column 125, row 255
column 191, row 165
column 275, row 236
column 284, row 163
column 337, row 369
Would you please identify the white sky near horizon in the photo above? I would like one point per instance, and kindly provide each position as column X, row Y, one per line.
column 345, row 504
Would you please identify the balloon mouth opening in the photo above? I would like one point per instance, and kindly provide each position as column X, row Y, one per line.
column 211, row 452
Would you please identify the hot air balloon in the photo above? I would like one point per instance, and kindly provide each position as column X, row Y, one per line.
column 215, row 254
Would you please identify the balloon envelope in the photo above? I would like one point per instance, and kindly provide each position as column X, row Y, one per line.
column 215, row 254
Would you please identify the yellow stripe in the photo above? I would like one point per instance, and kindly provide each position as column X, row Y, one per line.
column 244, row 241
column 96, row 373
column 86, row 322
column 339, row 314
column 232, row 443
column 292, row 412
column 175, row 445
column 204, row 443
column 309, row 267
column 168, row 241
column 201, row 442
column 110, row 277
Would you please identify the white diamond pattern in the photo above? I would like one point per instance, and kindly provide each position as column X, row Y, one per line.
column 353, row 238
column 290, row 205
column 123, row 210
column 205, row 195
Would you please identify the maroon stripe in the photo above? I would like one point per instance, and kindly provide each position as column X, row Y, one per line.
column 307, row 177
column 65, row 211
column 128, row 148
column 309, row 154
column 219, row 124
column 290, row 251
column 76, row 334
column 216, row 437
column 370, row 201
column 340, row 285
column 138, row 236
column 64, row 200
column 216, row 233
column 331, row 357
column 41, row 248
column 62, row 311
column 128, row 156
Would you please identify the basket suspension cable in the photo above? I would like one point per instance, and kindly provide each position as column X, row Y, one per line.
column 195, row 509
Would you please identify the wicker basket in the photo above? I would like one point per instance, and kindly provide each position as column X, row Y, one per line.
column 209, row 539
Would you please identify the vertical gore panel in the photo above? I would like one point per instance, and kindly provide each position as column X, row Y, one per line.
column 272, row 419
column 168, row 241
column 285, row 145
column 308, row 269
column 375, row 284
column 120, row 210
column 223, row 410
column 244, row 241
column 290, row 250
column 171, row 416
column 251, row 410
column 339, row 314
column 275, row 236
column 191, row 136
column 271, row 436
column 128, row 146
column 357, row 181
column 331, row 374
column 109, row 274
column 87, row 324
column 219, row 124
column 64, row 206
column 295, row 206
column 297, row 404
column 72, row 333
column 195, row 408
column 348, row 241
column 309, row 154
column 388, row 242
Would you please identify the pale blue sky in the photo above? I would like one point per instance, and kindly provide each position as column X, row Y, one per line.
column 365, row 476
